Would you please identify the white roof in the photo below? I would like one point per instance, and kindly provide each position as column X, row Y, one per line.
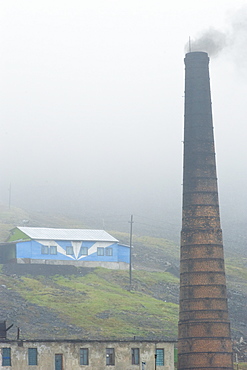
column 43, row 233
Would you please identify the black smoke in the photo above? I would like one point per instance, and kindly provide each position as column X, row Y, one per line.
column 211, row 41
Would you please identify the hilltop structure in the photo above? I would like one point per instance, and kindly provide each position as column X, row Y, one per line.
column 79, row 247
column 204, row 330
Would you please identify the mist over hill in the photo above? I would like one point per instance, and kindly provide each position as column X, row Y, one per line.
column 156, row 219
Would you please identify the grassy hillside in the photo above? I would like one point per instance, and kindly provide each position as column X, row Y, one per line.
column 100, row 304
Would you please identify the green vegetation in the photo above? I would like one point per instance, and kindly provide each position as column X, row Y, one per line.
column 237, row 268
column 103, row 307
column 161, row 244
column 100, row 302
column 156, row 277
column 9, row 218
column 17, row 234
column 236, row 271
column 240, row 366
column 158, row 244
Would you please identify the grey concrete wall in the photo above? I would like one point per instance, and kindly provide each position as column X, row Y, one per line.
column 108, row 265
column 97, row 354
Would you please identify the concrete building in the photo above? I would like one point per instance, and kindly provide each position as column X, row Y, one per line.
column 88, row 355
column 79, row 247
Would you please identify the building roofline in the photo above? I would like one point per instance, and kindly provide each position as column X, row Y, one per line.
column 48, row 233
column 87, row 340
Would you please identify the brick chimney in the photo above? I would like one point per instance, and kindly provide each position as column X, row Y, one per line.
column 204, row 340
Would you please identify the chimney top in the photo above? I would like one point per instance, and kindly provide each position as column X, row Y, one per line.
column 197, row 57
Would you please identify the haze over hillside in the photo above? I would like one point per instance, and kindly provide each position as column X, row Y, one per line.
column 153, row 222
column 92, row 110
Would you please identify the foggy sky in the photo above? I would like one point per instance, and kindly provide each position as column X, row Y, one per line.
column 92, row 105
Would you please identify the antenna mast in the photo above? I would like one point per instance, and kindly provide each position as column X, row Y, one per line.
column 189, row 45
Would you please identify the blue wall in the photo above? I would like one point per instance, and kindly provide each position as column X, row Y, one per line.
column 32, row 249
column 123, row 253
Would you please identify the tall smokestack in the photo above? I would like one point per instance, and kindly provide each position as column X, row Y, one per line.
column 204, row 330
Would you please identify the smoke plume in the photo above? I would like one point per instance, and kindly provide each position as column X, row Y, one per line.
column 214, row 41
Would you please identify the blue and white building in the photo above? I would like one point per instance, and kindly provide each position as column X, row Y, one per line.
column 79, row 247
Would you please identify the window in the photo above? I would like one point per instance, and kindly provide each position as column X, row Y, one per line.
column 84, row 251
column 160, row 357
column 135, row 356
column 6, row 356
column 108, row 252
column 110, row 356
column 44, row 249
column 32, row 356
column 100, row 251
column 58, row 361
column 69, row 251
column 53, row 249
column 84, row 356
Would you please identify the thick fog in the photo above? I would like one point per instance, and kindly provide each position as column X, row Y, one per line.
column 92, row 106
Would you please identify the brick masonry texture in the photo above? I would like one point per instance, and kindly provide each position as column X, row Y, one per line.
column 204, row 330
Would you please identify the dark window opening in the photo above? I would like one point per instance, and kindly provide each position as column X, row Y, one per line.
column 160, row 357
column 110, row 356
column 53, row 249
column 135, row 356
column 84, row 251
column 44, row 249
column 108, row 252
column 100, row 251
column 6, row 356
column 58, row 361
column 84, row 356
column 32, row 356
column 69, row 251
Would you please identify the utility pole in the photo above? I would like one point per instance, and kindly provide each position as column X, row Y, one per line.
column 130, row 271
column 9, row 195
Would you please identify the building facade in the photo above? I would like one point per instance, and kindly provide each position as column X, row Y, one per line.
column 88, row 355
column 79, row 247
